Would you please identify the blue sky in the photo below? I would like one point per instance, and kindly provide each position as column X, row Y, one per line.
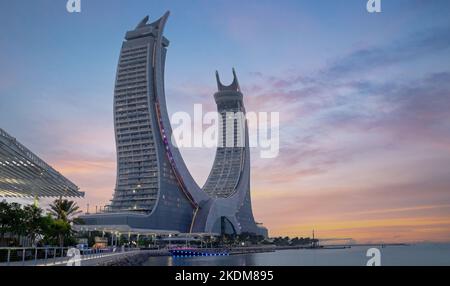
column 363, row 98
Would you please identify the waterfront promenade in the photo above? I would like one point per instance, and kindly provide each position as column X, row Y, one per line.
column 90, row 258
column 121, row 256
column 58, row 257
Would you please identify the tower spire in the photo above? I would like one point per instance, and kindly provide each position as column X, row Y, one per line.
column 235, row 83
column 234, row 86
column 219, row 84
column 143, row 22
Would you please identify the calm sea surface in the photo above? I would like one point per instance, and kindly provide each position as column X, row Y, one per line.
column 413, row 255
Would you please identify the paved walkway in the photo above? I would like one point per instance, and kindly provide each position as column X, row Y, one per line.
column 85, row 260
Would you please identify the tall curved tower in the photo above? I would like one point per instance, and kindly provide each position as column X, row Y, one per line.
column 150, row 191
column 228, row 183
column 154, row 189
column 230, row 160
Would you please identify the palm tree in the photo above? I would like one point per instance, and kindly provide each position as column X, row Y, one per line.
column 64, row 210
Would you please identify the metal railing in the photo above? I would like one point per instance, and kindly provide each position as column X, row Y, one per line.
column 33, row 256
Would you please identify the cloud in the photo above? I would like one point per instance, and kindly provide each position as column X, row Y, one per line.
column 363, row 153
column 383, row 211
column 415, row 46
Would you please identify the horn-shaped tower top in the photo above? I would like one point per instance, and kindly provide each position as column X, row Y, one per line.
column 143, row 29
column 155, row 24
column 143, row 22
column 234, row 86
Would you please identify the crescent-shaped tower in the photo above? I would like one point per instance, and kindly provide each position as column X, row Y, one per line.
column 154, row 190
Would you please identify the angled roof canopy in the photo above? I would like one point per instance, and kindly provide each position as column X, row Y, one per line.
column 25, row 175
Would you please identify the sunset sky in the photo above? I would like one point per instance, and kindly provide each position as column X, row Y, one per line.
column 364, row 102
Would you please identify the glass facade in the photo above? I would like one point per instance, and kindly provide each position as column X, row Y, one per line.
column 138, row 169
column 229, row 161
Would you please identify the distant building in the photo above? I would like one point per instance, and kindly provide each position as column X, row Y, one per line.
column 262, row 230
column 154, row 190
column 25, row 175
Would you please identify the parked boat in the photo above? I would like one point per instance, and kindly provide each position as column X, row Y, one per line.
column 191, row 252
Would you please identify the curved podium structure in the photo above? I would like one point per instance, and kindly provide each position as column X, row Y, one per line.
column 154, row 189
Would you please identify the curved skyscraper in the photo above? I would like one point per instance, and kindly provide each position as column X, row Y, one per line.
column 229, row 162
column 154, row 189
column 228, row 183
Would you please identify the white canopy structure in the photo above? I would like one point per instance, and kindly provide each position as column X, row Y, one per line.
column 25, row 175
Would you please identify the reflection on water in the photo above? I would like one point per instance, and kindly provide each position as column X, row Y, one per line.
column 420, row 254
column 233, row 260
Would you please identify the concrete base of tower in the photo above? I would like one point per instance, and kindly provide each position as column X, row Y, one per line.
column 156, row 222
